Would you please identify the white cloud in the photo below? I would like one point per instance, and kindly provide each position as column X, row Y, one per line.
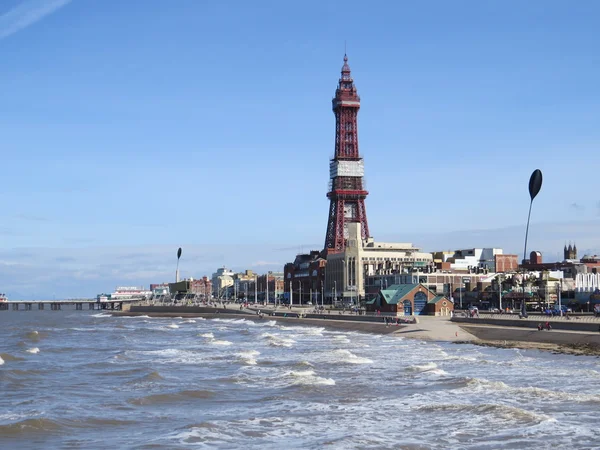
column 27, row 13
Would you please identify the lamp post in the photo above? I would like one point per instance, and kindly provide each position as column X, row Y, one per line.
column 500, row 292
column 334, row 290
column 559, row 289
column 535, row 184
column 177, row 271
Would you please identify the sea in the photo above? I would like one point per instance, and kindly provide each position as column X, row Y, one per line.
column 84, row 379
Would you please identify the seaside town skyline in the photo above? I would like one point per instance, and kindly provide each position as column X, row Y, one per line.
column 455, row 165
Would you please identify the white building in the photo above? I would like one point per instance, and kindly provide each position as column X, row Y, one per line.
column 472, row 258
column 346, row 271
column 221, row 279
column 587, row 282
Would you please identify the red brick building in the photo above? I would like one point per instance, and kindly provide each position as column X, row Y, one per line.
column 305, row 276
column 506, row 263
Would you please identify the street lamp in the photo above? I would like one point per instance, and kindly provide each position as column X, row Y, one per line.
column 177, row 271
column 535, row 184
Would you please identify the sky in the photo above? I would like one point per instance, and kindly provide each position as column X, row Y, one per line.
column 128, row 129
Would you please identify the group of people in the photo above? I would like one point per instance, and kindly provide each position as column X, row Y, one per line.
column 545, row 326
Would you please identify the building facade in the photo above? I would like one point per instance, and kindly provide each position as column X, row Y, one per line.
column 305, row 279
column 347, row 270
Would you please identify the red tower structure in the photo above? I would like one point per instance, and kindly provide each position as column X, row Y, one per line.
column 346, row 170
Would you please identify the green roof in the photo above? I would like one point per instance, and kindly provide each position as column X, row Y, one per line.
column 395, row 293
column 436, row 299
column 370, row 302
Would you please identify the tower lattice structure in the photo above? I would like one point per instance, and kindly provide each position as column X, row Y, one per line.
column 346, row 186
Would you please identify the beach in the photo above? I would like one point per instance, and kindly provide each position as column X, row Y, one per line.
column 426, row 328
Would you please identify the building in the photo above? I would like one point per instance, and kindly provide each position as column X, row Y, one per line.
column 346, row 187
column 221, row 280
column 592, row 262
column 570, row 252
column 201, row 287
column 305, row 278
column 463, row 288
column 244, row 285
column 270, row 287
column 410, row 300
column 348, row 270
column 468, row 259
column 506, row 263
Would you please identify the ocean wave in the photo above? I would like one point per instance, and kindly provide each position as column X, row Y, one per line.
column 8, row 357
column 499, row 411
column 1, row 361
column 422, row 368
column 248, row 357
column 531, row 391
column 170, row 356
column 207, row 335
column 277, row 340
column 341, row 339
column 219, row 342
column 34, row 336
column 33, row 350
column 101, row 315
column 28, row 427
column 307, row 378
column 172, row 325
column 172, row 397
column 188, row 321
column 152, row 376
column 347, row 356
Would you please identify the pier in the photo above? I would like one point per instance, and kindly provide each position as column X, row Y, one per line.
column 57, row 305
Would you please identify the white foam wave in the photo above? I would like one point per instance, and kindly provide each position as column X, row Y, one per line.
column 308, row 378
column 172, row 326
column 1, row 361
column 278, row 341
column 422, row 368
column 188, row 321
column 172, row 356
column 101, row 315
column 33, row 350
column 348, row 357
column 219, row 342
column 504, row 412
column 248, row 357
column 207, row 335
column 530, row 391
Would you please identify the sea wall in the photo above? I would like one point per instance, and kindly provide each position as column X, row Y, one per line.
column 570, row 325
column 500, row 334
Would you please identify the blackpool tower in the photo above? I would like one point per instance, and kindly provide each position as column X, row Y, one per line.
column 346, row 170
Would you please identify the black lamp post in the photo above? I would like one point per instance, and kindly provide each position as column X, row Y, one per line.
column 535, row 184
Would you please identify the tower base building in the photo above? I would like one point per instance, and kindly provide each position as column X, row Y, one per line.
column 347, row 270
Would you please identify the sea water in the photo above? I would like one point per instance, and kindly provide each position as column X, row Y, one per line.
column 77, row 379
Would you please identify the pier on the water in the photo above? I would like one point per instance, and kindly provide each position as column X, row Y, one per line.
column 57, row 305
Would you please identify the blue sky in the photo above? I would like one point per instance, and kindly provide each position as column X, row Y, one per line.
column 128, row 129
